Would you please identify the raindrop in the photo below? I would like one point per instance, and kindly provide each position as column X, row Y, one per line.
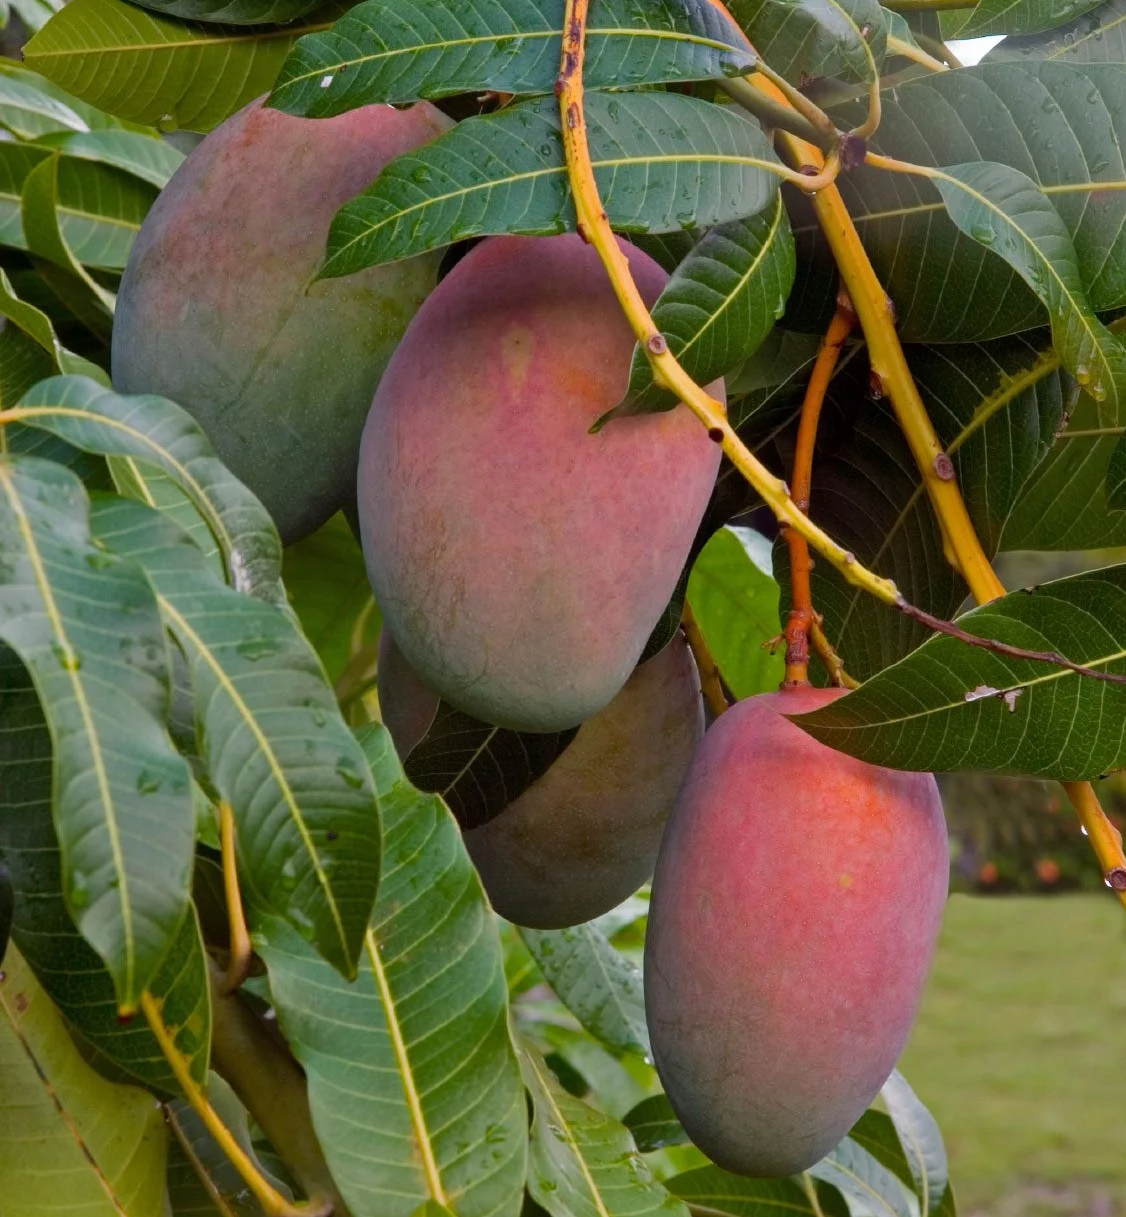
column 1100, row 165
column 148, row 783
column 97, row 560
column 257, row 648
column 326, row 81
column 1083, row 829
column 1049, row 105
column 67, row 656
column 421, row 174
column 985, row 233
column 347, row 771
column 289, row 875
column 79, row 891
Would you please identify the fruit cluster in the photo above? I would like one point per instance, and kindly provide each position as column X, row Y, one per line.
column 523, row 564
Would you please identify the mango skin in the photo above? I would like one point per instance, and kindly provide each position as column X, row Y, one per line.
column 216, row 310
column 796, row 904
column 520, row 562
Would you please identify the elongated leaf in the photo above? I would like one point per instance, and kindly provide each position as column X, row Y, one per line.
column 233, row 12
column 1098, row 36
column 152, row 160
column 6, row 901
column 1062, row 126
column 949, row 706
column 271, row 737
column 86, row 624
column 584, row 1163
column 921, row 1139
column 194, row 75
column 1004, row 210
column 712, row 1190
column 93, row 118
column 1023, row 16
column 654, row 1125
column 662, row 161
column 27, row 113
column 479, row 769
column 1064, row 504
column 64, row 963
column 70, row 1142
column 868, row 1187
column 1116, row 477
column 37, row 325
column 400, row 52
column 807, row 38
column 600, row 987
column 413, row 1080
column 719, row 305
column 875, row 1132
column 159, row 433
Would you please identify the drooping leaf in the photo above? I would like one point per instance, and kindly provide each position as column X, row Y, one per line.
column 654, row 1125
column 479, row 769
column 736, row 606
column 159, row 433
column 921, row 1139
column 86, row 625
column 875, row 1132
column 662, row 161
column 803, row 39
column 950, row 706
column 37, row 325
column 1098, row 36
column 413, row 1080
column 868, row 1187
column 600, row 987
column 233, row 12
column 719, row 305
column 582, row 1162
column 271, row 737
column 151, row 160
column 390, row 51
column 194, row 75
column 1022, row 16
column 709, row 1189
column 70, row 1142
column 27, row 113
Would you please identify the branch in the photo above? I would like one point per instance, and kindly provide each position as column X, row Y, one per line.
column 906, row 50
column 241, row 953
column 770, row 112
column 711, row 681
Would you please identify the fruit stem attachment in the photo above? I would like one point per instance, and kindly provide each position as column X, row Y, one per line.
column 273, row 1203
column 964, row 549
column 242, row 955
column 770, row 112
column 711, row 681
column 801, row 616
column 594, row 227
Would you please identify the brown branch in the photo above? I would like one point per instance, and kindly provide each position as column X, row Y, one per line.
column 711, row 680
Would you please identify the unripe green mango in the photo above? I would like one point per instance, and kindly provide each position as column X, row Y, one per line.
column 796, row 905
column 585, row 834
column 520, row 562
column 217, row 308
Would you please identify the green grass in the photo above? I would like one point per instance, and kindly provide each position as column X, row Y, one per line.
column 1020, row 1052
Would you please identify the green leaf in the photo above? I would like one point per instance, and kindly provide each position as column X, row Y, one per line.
column 868, row 1187
column 1064, row 504
column 583, row 1163
column 1116, row 477
column 157, row 432
column 808, row 38
column 233, row 12
column 720, row 304
column 875, row 1132
column 27, row 113
column 662, row 161
column 653, row 1124
column 16, row 162
column 87, row 626
column 328, row 587
column 600, row 987
column 736, row 606
column 1004, row 210
column 70, row 1142
column 712, row 1190
column 1023, row 16
column 37, row 325
column 193, row 76
column 271, row 737
column 152, row 160
column 396, row 51
column 479, row 769
column 6, row 901
column 952, row 707
column 1098, row 36
column 64, row 963
column 921, row 1139
column 413, row 1081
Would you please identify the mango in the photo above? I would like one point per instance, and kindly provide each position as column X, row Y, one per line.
column 407, row 705
column 218, row 311
column 521, row 562
column 796, row 904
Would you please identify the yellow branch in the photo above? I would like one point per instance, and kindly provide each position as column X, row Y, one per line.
column 242, row 955
column 907, row 50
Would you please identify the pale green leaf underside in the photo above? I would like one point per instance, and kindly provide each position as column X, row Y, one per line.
column 868, row 1187
column 921, row 1139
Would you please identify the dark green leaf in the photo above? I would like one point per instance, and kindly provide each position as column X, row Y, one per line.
column 1099, row 36
column 159, row 433
column 868, row 1187
column 654, row 1125
column 600, row 987
column 87, row 626
column 583, row 1163
column 233, row 12
column 194, row 75
column 719, row 305
column 875, row 1132
column 1116, row 477
column 479, row 769
column 402, row 50
column 1023, row 16
column 413, row 1080
column 710, row 1190
column 662, row 162
column 921, row 1140
column 37, row 325
column 950, row 706
column 271, row 737
column 6, row 900
column 807, row 38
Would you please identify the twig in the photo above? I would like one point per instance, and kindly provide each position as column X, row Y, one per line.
column 242, row 954
column 907, row 50
column 773, row 114
column 711, row 681
column 797, row 100
column 834, row 664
